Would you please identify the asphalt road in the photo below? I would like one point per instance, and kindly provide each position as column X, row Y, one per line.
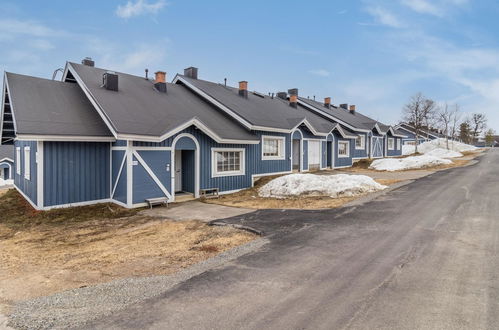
column 424, row 256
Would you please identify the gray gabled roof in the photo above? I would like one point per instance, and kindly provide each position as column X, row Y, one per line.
column 356, row 120
column 6, row 151
column 137, row 108
column 259, row 109
column 47, row 107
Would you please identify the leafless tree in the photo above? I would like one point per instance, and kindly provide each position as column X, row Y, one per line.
column 418, row 112
column 444, row 119
column 454, row 125
column 478, row 124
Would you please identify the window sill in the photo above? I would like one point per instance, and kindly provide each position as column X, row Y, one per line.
column 219, row 175
column 343, row 156
column 273, row 158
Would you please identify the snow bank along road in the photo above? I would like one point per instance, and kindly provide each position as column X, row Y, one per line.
column 421, row 257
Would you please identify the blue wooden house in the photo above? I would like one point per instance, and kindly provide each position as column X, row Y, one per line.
column 104, row 136
column 410, row 133
column 6, row 162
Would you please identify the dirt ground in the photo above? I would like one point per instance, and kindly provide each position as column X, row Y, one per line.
column 249, row 198
column 46, row 252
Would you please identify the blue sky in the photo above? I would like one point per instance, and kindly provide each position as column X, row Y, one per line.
column 374, row 54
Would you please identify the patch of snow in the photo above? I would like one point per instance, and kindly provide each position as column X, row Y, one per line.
column 339, row 185
column 5, row 182
column 408, row 163
column 443, row 153
column 440, row 143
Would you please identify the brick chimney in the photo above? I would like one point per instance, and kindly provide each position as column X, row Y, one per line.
column 88, row 61
column 282, row 95
column 243, row 89
column 160, row 81
column 191, row 72
column 352, row 109
column 327, row 102
column 293, row 97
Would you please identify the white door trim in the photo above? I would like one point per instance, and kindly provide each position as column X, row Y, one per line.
column 196, row 164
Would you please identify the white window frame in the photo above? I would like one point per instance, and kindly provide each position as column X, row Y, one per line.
column 27, row 163
column 18, row 161
column 392, row 140
column 242, row 160
column 347, row 143
column 362, row 142
column 398, row 144
column 281, row 147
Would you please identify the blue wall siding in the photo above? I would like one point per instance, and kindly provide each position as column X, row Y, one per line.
column 120, row 192
column 361, row 153
column 305, row 155
column 119, row 143
column 342, row 161
column 253, row 160
column 144, row 186
column 28, row 187
column 324, row 154
column 395, row 152
column 76, row 172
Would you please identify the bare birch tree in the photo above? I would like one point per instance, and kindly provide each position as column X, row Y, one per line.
column 418, row 112
column 445, row 118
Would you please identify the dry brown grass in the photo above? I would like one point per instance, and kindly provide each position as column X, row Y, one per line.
column 42, row 253
column 387, row 182
column 250, row 199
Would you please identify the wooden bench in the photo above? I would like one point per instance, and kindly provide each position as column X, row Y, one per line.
column 210, row 192
column 157, row 201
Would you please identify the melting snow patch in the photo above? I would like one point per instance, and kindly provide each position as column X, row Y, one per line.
column 429, row 146
column 339, row 185
column 414, row 162
column 444, row 153
column 5, row 182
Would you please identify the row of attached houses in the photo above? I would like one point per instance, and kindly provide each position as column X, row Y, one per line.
column 104, row 136
column 410, row 134
column 6, row 162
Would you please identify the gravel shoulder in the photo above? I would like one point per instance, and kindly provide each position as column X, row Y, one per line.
column 76, row 307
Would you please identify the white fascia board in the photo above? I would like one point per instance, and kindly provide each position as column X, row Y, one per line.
column 92, row 100
column 6, row 84
column 196, row 122
column 425, row 132
column 331, row 117
column 67, row 138
column 6, row 159
column 343, row 134
column 309, row 126
column 396, row 134
column 212, row 100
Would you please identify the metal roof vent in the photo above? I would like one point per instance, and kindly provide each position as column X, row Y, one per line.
column 88, row 62
column 282, row 95
column 110, row 81
column 344, row 106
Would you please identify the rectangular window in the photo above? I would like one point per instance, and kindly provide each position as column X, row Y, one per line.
column 273, row 147
column 360, row 142
column 398, row 144
column 227, row 162
column 343, row 149
column 27, row 163
column 391, row 143
column 18, row 161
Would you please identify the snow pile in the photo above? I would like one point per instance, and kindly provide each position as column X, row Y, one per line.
column 319, row 185
column 414, row 162
column 443, row 153
column 5, row 182
column 429, row 146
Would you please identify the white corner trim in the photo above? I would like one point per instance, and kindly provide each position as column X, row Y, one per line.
column 129, row 174
column 242, row 160
column 151, row 174
column 40, row 175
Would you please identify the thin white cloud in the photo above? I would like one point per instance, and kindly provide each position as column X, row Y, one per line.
column 32, row 28
column 384, row 17
column 423, row 7
column 320, row 72
column 139, row 7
